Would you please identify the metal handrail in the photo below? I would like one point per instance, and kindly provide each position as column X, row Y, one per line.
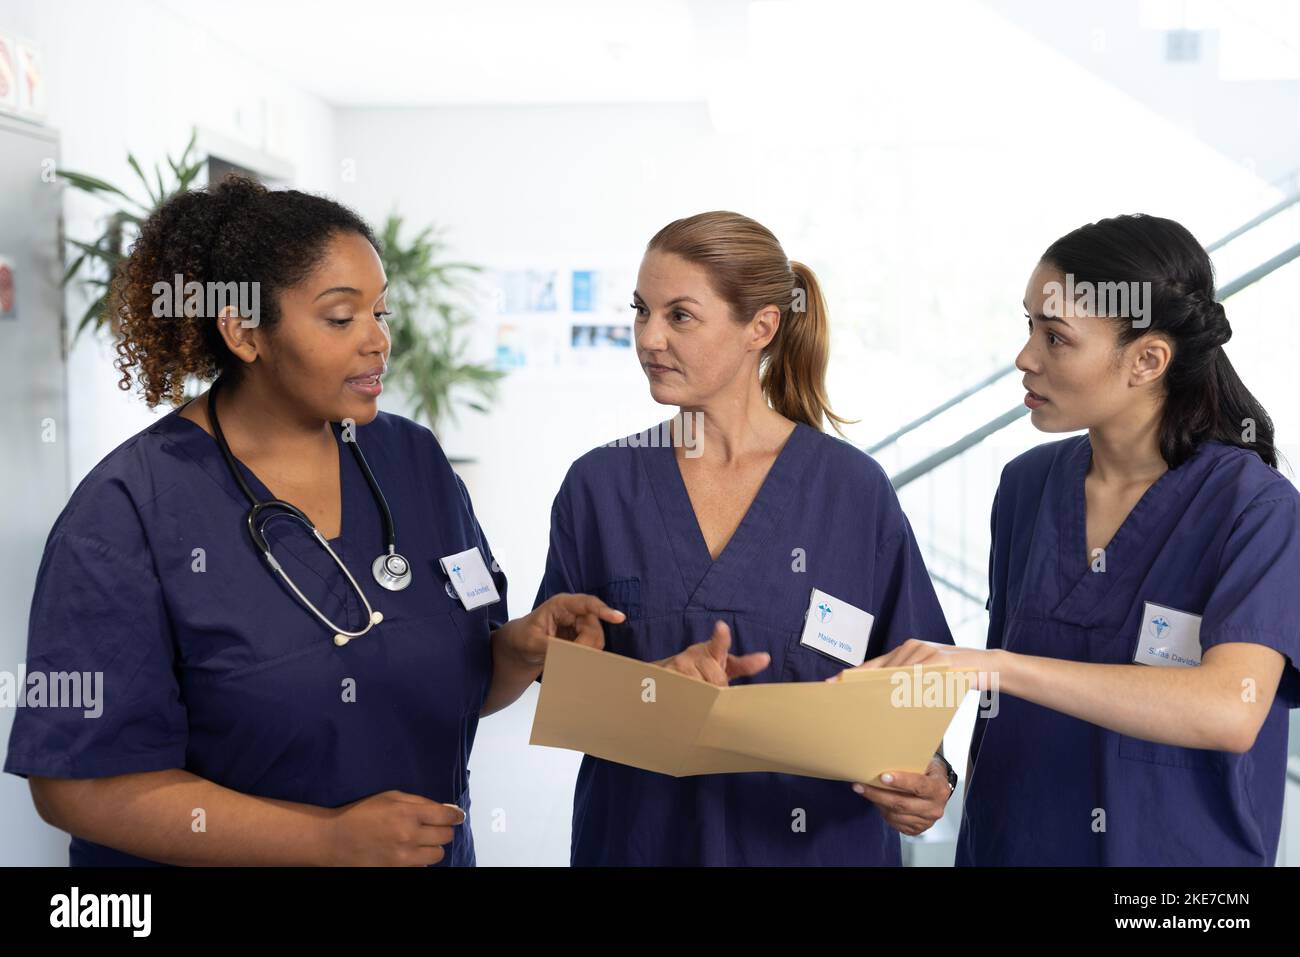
column 953, row 586
column 940, row 409
column 1259, row 272
column 1261, row 218
column 930, row 462
column 1236, row 285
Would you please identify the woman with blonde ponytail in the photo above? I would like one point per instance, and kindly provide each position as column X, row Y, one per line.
column 717, row 532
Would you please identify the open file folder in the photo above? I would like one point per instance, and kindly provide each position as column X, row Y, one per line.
column 640, row 714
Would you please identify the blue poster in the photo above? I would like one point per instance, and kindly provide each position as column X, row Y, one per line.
column 584, row 290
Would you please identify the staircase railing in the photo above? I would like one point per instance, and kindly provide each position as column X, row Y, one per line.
column 974, row 437
column 1241, row 282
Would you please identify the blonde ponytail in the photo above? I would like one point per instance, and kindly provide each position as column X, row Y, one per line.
column 794, row 373
column 749, row 269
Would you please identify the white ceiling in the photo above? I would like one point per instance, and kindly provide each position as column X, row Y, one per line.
column 404, row 52
column 475, row 52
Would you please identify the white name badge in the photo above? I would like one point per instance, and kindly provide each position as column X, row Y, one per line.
column 469, row 576
column 1169, row 638
column 836, row 628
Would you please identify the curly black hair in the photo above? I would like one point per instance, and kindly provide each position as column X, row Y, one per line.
column 237, row 231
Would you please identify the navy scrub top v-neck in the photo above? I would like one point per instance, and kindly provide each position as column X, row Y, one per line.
column 825, row 517
column 1219, row 538
column 210, row 663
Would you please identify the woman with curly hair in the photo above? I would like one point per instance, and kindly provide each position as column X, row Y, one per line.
column 231, row 729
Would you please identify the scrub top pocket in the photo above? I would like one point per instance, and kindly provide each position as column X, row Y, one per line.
column 475, row 635
column 804, row 663
column 647, row 639
column 623, row 594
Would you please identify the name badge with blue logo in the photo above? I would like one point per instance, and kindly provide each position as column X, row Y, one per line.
column 836, row 628
column 469, row 576
column 1169, row 639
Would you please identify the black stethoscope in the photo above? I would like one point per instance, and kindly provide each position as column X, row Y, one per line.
column 390, row 569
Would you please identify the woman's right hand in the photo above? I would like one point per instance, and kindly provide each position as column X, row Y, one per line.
column 710, row 660
column 390, row 829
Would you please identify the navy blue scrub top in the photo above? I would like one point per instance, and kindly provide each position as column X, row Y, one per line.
column 212, row 665
column 1218, row 537
column 622, row 528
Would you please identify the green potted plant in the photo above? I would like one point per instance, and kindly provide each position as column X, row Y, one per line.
column 428, row 297
column 95, row 260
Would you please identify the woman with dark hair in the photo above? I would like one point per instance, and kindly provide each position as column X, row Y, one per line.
column 718, row 533
column 1144, row 579
column 202, row 568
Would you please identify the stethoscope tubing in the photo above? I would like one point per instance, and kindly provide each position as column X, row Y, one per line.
column 341, row 635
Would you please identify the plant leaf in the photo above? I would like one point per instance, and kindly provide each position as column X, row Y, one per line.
column 91, row 184
column 72, row 269
column 95, row 250
column 144, row 179
column 94, row 313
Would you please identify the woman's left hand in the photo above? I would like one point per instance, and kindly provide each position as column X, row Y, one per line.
column 912, row 802
column 574, row 618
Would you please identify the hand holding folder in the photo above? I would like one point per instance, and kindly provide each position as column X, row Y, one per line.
column 639, row 714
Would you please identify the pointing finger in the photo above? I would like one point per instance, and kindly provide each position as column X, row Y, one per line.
column 743, row 666
column 719, row 643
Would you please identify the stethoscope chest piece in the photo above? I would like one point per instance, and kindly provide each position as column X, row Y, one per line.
column 392, row 571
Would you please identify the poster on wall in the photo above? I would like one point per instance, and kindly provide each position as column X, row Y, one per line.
column 511, row 351
column 552, row 315
column 31, row 81
column 528, row 290
column 600, row 337
column 8, row 296
column 8, row 76
column 524, row 346
column 603, row 292
column 600, row 333
column 584, row 290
